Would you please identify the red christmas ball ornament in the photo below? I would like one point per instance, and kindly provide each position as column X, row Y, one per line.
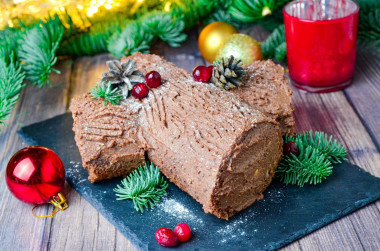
column 166, row 237
column 140, row 91
column 202, row 73
column 183, row 232
column 36, row 175
column 153, row 79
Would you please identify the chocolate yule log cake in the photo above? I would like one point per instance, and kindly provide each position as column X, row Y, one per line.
column 221, row 147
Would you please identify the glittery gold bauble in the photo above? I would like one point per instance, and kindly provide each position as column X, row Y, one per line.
column 213, row 37
column 242, row 47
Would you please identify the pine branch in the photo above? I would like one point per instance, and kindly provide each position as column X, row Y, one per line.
column 130, row 40
column 112, row 96
column 314, row 163
column 92, row 41
column 10, row 39
column 95, row 39
column 11, row 82
column 221, row 15
column 193, row 11
column 165, row 27
column 251, row 10
column 271, row 22
column 280, row 52
column 309, row 167
column 369, row 25
column 144, row 186
column 84, row 44
column 37, row 51
column 333, row 150
column 276, row 39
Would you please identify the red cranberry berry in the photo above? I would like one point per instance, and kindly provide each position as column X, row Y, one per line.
column 202, row 74
column 183, row 232
column 166, row 237
column 210, row 68
column 290, row 147
column 153, row 79
column 140, row 91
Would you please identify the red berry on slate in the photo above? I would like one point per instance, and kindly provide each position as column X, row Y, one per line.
column 290, row 147
column 140, row 91
column 153, row 79
column 166, row 237
column 202, row 74
column 183, row 232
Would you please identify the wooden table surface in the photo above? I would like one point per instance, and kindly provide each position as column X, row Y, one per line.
column 352, row 116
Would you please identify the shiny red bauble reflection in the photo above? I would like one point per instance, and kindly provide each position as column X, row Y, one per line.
column 35, row 174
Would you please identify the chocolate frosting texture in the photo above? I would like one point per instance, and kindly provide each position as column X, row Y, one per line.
column 220, row 147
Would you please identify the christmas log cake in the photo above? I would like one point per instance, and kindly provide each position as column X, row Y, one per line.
column 221, row 147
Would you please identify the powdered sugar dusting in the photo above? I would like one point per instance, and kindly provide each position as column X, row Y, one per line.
column 234, row 229
column 75, row 170
column 177, row 210
column 132, row 104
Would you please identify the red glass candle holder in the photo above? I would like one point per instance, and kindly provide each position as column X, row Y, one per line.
column 321, row 43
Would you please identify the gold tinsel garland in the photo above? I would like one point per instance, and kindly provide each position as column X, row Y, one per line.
column 82, row 12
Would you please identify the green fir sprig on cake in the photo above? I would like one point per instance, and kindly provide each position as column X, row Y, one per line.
column 106, row 92
column 118, row 82
column 309, row 158
column 144, row 186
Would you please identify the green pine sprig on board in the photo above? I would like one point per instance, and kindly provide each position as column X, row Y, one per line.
column 314, row 162
column 144, row 186
column 11, row 83
column 106, row 92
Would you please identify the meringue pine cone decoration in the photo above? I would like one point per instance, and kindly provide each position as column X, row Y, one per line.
column 227, row 73
column 122, row 76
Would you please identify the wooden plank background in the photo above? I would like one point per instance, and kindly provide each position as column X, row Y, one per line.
column 352, row 116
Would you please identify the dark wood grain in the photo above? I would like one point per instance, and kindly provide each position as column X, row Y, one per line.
column 350, row 115
column 364, row 94
column 333, row 114
column 19, row 230
column 87, row 71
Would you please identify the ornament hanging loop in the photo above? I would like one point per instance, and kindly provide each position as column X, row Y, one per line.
column 58, row 201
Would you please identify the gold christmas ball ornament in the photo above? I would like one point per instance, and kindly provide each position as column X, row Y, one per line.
column 213, row 37
column 242, row 47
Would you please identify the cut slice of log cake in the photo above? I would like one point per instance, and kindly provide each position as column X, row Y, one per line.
column 213, row 144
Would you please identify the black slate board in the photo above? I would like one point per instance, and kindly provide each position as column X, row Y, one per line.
column 285, row 214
